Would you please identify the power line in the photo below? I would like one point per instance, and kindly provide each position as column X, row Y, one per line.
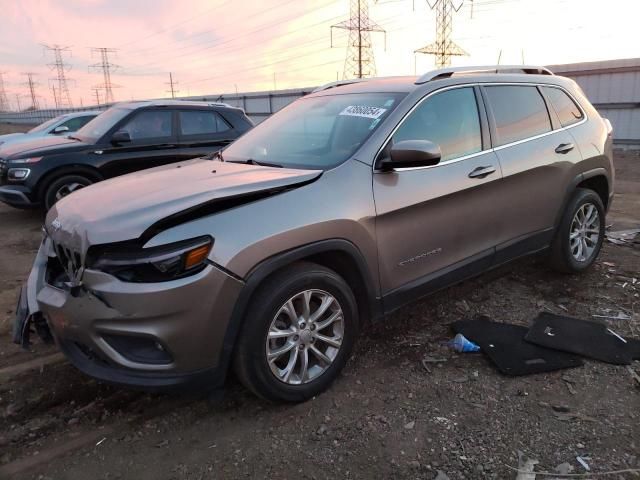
column 106, row 66
column 443, row 48
column 96, row 92
column 64, row 97
column 32, row 90
column 4, row 101
column 360, row 61
column 172, row 90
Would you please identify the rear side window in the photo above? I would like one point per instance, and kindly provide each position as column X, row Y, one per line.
column 449, row 119
column 519, row 112
column 567, row 110
column 200, row 122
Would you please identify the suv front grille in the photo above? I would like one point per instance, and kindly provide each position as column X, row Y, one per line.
column 70, row 260
column 3, row 171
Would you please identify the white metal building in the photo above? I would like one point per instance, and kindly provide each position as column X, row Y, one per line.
column 613, row 87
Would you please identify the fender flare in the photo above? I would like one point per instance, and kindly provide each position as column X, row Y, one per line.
column 571, row 187
column 270, row 265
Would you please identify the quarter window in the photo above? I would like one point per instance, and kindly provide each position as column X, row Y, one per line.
column 449, row 119
column 567, row 110
column 519, row 112
column 201, row 123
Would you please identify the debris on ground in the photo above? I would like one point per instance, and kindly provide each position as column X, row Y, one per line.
column 583, row 462
column 526, row 467
column 462, row 345
column 624, row 237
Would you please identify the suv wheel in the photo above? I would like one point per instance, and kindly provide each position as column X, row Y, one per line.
column 298, row 334
column 579, row 237
column 62, row 187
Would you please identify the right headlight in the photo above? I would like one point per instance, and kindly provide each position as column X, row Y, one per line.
column 155, row 264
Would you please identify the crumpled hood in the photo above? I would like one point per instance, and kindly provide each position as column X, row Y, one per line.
column 124, row 207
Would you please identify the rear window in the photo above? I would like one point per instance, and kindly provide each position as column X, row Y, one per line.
column 567, row 110
column 200, row 122
column 519, row 112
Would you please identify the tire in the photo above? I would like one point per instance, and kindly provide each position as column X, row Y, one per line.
column 566, row 255
column 56, row 189
column 273, row 380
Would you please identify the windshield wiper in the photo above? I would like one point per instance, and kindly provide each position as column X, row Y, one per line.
column 251, row 161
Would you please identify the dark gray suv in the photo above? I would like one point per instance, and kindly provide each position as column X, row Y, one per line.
column 341, row 208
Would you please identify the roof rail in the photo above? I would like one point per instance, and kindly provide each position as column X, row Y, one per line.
column 450, row 71
column 338, row 83
column 220, row 104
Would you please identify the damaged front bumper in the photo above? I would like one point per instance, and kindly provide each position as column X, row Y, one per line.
column 147, row 335
column 28, row 313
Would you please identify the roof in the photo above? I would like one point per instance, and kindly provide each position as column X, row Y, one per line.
column 173, row 103
column 453, row 75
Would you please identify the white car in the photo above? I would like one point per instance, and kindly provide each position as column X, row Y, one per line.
column 61, row 125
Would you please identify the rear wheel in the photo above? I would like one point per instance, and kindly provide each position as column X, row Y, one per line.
column 298, row 334
column 581, row 232
column 63, row 187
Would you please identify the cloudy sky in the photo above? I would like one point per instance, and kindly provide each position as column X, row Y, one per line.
column 218, row 46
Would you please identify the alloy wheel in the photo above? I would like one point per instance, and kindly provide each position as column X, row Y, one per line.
column 584, row 233
column 304, row 337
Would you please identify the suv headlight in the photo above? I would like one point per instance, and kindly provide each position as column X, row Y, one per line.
column 155, row 264
column 27, row 160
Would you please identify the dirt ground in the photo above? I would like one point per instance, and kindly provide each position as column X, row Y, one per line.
column 393, row 413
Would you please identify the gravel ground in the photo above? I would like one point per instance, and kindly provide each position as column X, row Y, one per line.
column 391, row 414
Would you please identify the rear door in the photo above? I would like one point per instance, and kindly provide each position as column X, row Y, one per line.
column 201, row 132
column 436, row 222
column 536, row 156
column 153, row 143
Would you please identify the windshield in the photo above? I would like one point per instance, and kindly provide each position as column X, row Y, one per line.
column 315, row 132
column 96, row 128
column 46, row 125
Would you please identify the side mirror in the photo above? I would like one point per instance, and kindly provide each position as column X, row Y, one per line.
column 60, row 129
column 121, row 136
column 412, row 153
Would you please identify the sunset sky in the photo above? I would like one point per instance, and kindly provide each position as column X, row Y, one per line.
column 216, row 46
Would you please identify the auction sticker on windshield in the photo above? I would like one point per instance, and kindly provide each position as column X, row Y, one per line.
column 363, row 111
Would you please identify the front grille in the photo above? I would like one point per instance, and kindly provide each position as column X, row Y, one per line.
column 3, row 171
column 70, row 260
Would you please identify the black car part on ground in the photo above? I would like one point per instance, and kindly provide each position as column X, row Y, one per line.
column 505, row 345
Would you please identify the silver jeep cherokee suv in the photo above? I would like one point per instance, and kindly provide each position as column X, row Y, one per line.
column 339, row 209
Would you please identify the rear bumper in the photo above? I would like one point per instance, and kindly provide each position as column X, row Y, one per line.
column 148, row 336
column 17, row 196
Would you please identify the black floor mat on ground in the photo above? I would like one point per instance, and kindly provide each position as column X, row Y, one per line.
column 589, row 339
column 504, row 344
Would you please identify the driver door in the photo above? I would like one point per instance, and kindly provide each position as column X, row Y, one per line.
column 153, row 143
column 437, row 223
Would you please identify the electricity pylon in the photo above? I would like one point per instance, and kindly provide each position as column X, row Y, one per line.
column 63, row 96
column 360, row 61
column 443, row 48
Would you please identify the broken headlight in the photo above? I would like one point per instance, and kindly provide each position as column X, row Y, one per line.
column 155, row 264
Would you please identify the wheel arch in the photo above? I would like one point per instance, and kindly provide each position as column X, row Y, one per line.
column 90, row 172
column 339, row 255
column 596, row 180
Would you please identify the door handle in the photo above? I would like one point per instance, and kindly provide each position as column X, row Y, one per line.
column 482, row 172
column 564, row 148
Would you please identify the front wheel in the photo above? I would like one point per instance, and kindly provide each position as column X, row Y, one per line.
column 63, row 186
column 298, row 334
column 580, row 234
